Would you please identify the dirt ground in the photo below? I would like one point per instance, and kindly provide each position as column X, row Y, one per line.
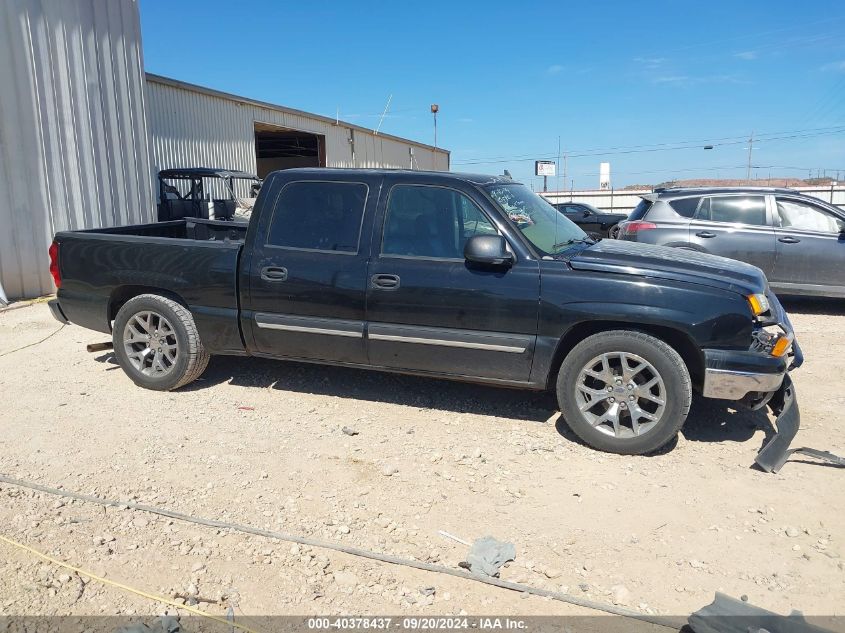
column 260, row 443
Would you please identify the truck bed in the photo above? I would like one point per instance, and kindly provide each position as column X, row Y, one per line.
column 195, row 260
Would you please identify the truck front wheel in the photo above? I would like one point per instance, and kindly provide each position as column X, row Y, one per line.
column 157, row 344
column 624, row 392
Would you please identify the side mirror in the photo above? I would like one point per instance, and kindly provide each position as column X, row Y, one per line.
column 587, row 213
column 491, row 250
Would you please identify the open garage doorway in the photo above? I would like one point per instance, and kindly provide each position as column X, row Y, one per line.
column 282, row 148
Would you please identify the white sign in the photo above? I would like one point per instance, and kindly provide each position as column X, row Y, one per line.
column 604, row 175
column 544, row 168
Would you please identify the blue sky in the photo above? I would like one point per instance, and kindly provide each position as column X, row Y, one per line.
column 656, row 80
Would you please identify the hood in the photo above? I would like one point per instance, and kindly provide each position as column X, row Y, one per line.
column 663, row 262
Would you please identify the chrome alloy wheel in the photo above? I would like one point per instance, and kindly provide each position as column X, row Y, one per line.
column 150, row 343
column 621, row 394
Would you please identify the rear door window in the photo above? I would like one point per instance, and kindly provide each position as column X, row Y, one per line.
column 323, row 216
column 685, row 207
column 749, row 210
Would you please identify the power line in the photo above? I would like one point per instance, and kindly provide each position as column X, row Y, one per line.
column 744, row 37
column 740, row 138
column 657, row 147
column 716, row 168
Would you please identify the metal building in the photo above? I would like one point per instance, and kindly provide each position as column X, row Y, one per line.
column 83, row 131
column 195, row 126
column 73, row 133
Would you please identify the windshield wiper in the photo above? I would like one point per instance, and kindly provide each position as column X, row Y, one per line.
column 575, row 240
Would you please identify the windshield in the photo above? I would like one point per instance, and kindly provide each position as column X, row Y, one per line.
column 549, row 231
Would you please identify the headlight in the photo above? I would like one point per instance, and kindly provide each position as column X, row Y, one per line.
column 772, row 340
column 759, row 304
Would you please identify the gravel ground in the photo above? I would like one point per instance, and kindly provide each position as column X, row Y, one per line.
column 261, row 443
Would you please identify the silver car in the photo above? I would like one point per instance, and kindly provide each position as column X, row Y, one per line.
column 798, row 241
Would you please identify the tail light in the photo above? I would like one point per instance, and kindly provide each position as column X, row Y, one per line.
column 635, row 226
column 54, row 264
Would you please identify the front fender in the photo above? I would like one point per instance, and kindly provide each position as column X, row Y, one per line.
column 575, row 302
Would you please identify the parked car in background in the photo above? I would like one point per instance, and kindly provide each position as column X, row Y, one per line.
column 796, row 240
column 592, row 220
column 457, row 276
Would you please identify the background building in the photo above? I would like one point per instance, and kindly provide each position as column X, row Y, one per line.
column 83, row 131
column 194, row 126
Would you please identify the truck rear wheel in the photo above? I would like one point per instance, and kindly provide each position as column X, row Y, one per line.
column 157, row 344
column 624, row 392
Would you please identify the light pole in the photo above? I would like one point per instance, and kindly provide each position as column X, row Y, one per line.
column 434, row 110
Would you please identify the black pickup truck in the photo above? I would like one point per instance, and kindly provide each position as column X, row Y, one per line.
column 457, row 276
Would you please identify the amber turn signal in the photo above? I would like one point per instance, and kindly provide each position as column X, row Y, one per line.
column 759, row 304
column 781, row 346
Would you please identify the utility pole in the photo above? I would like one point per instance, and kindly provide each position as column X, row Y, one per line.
column 750, row 147
column 564, row 168
column 557, row 167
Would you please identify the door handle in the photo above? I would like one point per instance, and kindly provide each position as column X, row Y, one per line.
column 705, row 234
column 789, row 239
column 385, row 282
column 274, row 273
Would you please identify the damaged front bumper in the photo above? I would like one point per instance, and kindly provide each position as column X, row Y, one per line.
column 758, row 379
column 735, row 375
column 785, row 407
column 776, row 452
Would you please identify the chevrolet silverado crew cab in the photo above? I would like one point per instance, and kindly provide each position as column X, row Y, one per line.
column 457, row 276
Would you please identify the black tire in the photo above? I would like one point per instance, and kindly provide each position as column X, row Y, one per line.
column 613, row 232
column 191, row 358
column 665, row 361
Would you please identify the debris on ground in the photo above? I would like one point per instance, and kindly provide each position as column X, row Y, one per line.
column 487, row 555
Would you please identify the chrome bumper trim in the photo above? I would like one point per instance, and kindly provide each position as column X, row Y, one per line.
column 725, row 384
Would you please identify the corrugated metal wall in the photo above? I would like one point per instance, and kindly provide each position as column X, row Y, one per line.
column 191, row 126
column 73, row 136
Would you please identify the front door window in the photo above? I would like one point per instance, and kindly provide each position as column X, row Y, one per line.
column 431, row 222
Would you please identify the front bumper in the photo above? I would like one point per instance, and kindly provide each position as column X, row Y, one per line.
column 732, row 375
